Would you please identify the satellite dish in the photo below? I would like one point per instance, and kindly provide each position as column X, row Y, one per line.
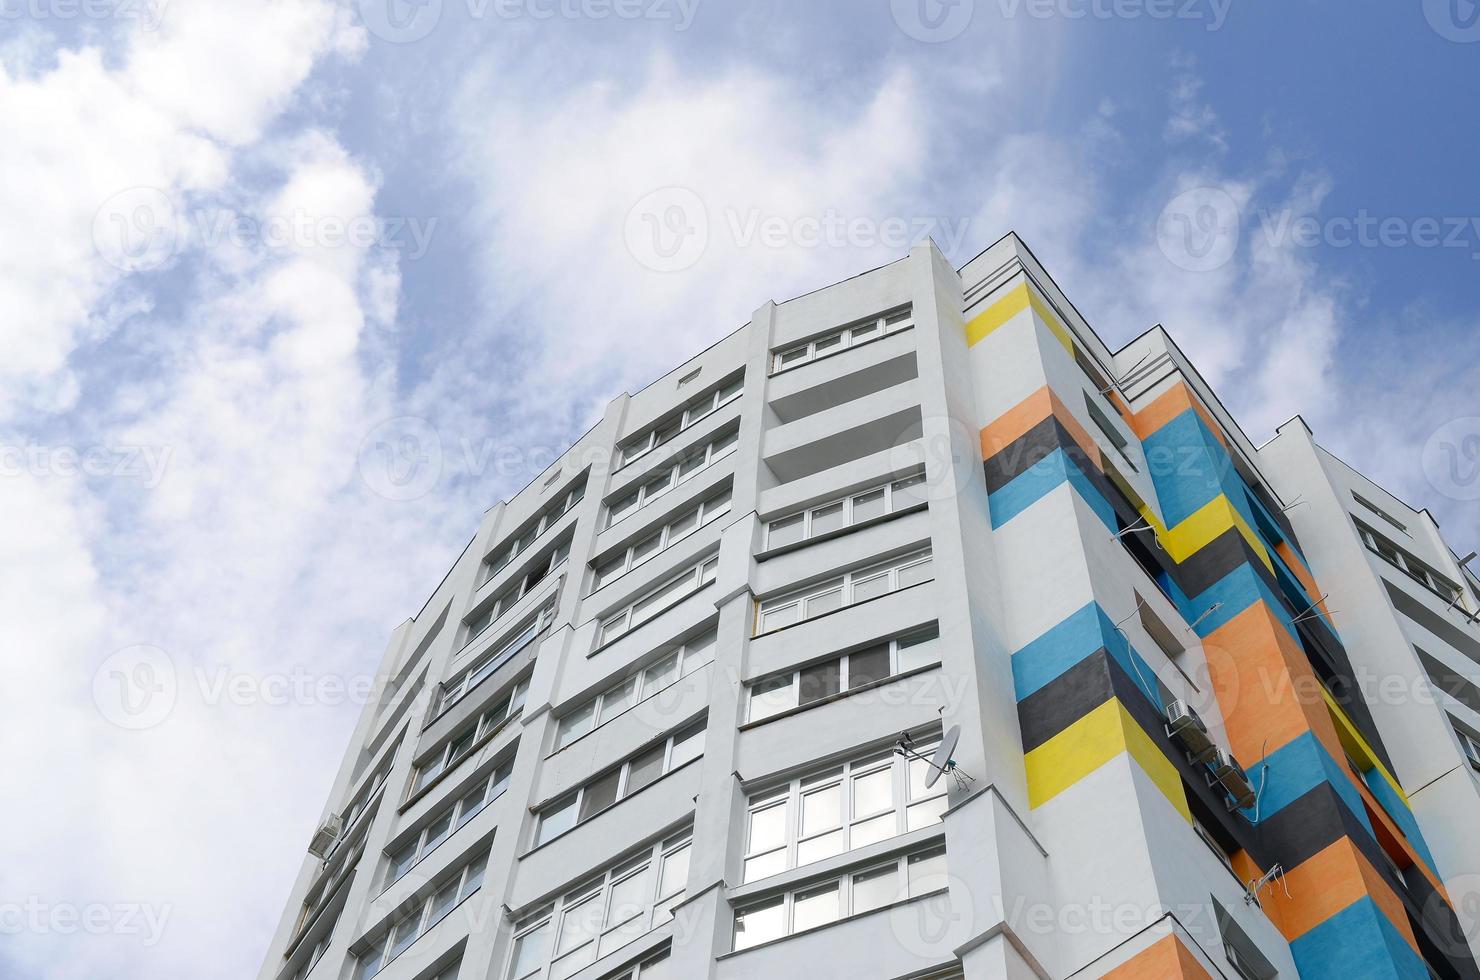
column 941, row 762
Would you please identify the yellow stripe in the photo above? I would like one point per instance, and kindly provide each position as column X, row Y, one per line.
column 1353, row 742
column 1209, row 521
column 1017, row 299
column 1103, row 734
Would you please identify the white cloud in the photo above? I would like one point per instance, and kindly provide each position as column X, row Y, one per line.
column 208, row 79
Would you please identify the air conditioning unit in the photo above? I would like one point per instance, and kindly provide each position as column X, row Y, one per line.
column 326, row 836
column 1226, row 772
column 1186, row 727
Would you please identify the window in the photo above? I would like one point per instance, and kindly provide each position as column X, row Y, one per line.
column 632, row 690
column 840, row 340
column 856, row 586
column 702, row 407
column 1408, row 564
column 461, row 744
column 623, row 903
column 1161, row 634
column 427, row 912
column 664, row 480
column 530, row 532
column 656, row 601
column 653, row 968
column 1108, row 430
column 891, row 498
column 440, row 827
column 839, row 809
column 1471, row 746
column 665, row 537
column 794, row 689
column 617, row 784
column 365, row 795
column 518, row 589
column 873, row 887
column 1379, row 512
column 485, row 667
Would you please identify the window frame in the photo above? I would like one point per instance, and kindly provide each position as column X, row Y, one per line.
column 490, row 789
column 614, row 626
column 842, row 777
column 703, row 513
column 896, row 644
column 808, row 516
column 847, row 904
column 516, row 543
column 894, row 320
column 656, row 910
column 848, row 583
column 689, row 656
column 385, row 947
column 576, row 798
column 451, row 692
column 471, row 737
column 714, row 450
column 694, row 411
column 510, row 596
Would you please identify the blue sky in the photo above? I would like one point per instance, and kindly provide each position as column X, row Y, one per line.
column 249, row 243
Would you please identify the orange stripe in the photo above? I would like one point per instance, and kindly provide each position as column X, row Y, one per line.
column 1164, row 959
column 1265, row 687
column 1016, row 422
column 1324, row 884
column 1307, row 580
column 1167, row 406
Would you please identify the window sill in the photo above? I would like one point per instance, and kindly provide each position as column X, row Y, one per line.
column 769, row 553
column 836, row 922
column 841, row 350
column 841, row 695
column 833, row 867
column 608, row 644
column 445, row 774
column 534, row 810
column 632, row 707
column 840, row 609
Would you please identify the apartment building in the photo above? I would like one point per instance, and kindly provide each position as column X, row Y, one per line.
column 677, row 710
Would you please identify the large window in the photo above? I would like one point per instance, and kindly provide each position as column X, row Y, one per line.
column 518, row 589
column 445, row 823
column 817, row 682
column 638, row 772
column 457, row 688
column 839, row 809
column 461, row 745
column 652, row 603
column 427, row 912
column 666, row 479
column 873, row 887
column 604, row 914
column 840, row 340
column 528, row 534
column 700, row 408
column 1408, row 564
column 630, row 691
column 890, row 498
column 660, row 540
column 845, row 590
